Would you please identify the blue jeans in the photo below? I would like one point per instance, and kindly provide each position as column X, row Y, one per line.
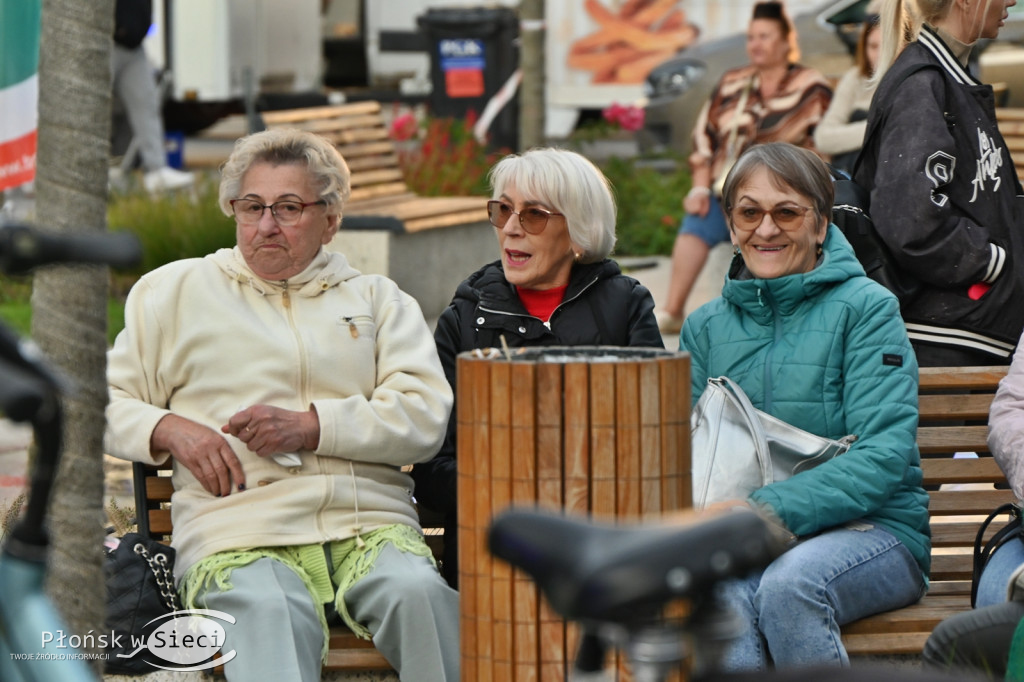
column 711, row 228
column 797, row 604
column 1006, row 559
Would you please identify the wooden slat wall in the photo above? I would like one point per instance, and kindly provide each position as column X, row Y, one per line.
column 609, row 439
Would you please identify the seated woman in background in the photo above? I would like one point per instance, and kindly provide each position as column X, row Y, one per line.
column 554, row 216
column 841, row 130
column 814, row 342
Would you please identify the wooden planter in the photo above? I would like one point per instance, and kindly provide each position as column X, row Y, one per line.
column 601, row 431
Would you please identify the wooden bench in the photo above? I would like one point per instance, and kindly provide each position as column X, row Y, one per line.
column 954, row 404
column 1011, row 125
column 386, row 228
column 346, row 652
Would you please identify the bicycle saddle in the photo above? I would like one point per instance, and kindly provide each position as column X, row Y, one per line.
column 619, row 574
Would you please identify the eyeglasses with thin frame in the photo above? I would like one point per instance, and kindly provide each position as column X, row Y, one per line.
column 787, row 217
column 533, row 219
column 286, row 213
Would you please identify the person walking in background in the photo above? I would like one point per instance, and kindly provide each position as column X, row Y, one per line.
column 554, row 216
column 135, row 88
column 944, row 194
column 840, row 133
column 289, row 391
column 771, row 99
column 815, row 343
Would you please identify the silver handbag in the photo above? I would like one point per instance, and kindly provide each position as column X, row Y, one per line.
column 737, row 448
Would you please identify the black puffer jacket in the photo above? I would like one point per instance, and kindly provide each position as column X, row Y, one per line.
column 601, row 307
column 944, row 197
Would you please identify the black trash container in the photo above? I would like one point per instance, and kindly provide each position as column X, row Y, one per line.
column 473, row 51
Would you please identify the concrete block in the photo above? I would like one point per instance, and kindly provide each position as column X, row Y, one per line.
column 428, row 264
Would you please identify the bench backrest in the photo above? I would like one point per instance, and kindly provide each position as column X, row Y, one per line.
column 360, row 133
column 153, row 490
column 963, row 489
column 1011, row 126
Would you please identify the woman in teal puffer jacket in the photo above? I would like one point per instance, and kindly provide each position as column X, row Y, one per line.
column 816, row 343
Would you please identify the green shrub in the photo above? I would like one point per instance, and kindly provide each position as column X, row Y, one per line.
column 650, row 205
column 173, row 226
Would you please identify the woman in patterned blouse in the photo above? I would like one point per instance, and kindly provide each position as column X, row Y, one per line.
column 772, row 99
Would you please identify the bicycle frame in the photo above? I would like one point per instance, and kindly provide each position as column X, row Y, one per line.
column 30, row 392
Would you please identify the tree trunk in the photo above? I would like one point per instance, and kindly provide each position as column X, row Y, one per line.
column 69, row 303
column 531, row 55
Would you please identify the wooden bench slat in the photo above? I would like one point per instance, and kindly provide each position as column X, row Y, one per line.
column 949, row 439
column 159, row 522
column 888, row 643
column 285, row 116
column 959, row 533
column 159, row 488
column 375, row 192
column 361, row 164
column 1009, row 114
column 959, row 378
column 1011, row 126
column 930, row 610
column 951, row 567
column 376, row 176
column 956, row 470
column 960, row 502
column 954, row 407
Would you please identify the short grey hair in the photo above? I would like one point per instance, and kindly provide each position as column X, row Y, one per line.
column 790, row 166
column 282, row 146
column 570, row 184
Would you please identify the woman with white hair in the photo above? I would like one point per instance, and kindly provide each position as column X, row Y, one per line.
column 554, row 215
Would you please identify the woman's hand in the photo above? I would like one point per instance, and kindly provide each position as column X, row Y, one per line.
column 697, row 203
column 202, row 451
column 268, row 430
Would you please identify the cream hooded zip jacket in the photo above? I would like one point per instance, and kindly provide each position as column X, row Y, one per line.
column 206, row 337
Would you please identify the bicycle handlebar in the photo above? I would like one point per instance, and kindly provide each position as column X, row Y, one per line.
column 23, row 248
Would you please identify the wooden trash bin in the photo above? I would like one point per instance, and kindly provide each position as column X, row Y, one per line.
column 591, row 430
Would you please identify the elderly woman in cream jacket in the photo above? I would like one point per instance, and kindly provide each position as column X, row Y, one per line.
column 289, row 391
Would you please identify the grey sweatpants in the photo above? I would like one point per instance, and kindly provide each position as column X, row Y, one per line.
column 135, row 86
column 403, row 601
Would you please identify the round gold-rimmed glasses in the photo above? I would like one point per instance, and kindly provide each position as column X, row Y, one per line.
column 533, row 219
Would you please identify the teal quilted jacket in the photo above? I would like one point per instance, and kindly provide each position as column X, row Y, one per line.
column 825, row 351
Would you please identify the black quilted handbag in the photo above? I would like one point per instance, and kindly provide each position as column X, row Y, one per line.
column 140, row 587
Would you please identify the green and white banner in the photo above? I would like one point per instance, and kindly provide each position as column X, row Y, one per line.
column 19, row 90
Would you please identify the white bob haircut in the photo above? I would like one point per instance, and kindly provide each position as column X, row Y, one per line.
column 568, row 183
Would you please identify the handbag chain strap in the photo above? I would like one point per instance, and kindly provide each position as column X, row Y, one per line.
column 162, row 572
